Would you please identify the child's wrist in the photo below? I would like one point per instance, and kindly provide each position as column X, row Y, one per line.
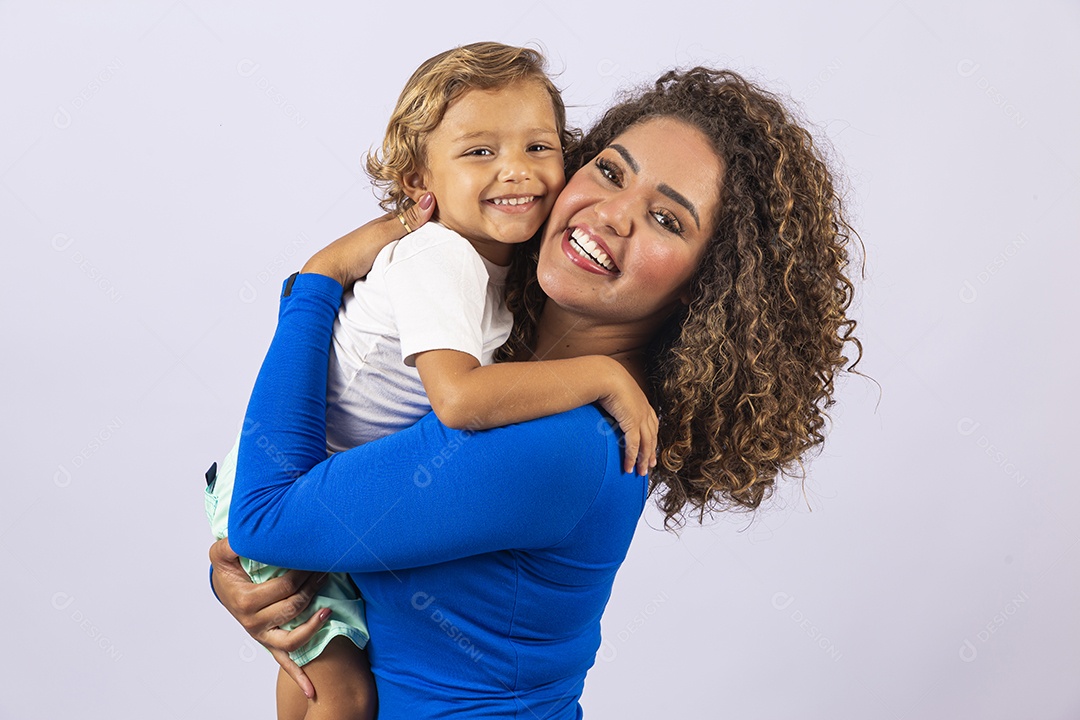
column 606, row 371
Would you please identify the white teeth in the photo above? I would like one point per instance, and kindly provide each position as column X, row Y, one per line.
column 589, row 249
column 513, row 201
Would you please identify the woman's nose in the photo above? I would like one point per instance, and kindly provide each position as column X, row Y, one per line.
column 616, row 212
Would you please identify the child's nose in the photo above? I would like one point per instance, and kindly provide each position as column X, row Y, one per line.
column 515, row 168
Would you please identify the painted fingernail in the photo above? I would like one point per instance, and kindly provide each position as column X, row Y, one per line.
column 425, row 202
column 324, row 613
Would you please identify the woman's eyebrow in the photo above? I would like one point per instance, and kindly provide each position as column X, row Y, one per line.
column 679, row 198
column 626, row 156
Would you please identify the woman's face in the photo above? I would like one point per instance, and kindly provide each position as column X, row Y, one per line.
column 629, row 230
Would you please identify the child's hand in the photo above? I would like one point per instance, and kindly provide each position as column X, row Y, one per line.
column 631, row 409
column 350, row 257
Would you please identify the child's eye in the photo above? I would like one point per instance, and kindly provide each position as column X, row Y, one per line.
column 668, row 221
column 540, row 147
column 609, row 170
column 479, row 152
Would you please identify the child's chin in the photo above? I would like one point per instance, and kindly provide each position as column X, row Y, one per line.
column 518, row 239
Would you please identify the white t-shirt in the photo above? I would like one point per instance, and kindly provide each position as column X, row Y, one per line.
column 430, row 290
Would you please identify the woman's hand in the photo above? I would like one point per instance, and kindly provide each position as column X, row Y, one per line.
column 261, row 608
column 351, row 256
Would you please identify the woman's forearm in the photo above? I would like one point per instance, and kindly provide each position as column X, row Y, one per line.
column 284, row 432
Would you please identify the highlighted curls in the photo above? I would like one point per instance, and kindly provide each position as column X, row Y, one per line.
column 435, row 85
column 743, row 376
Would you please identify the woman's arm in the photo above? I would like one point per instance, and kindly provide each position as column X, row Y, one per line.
column 262, row 608
column 424, row 495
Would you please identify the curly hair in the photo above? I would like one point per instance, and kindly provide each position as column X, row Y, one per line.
column 742, row 376
column 427, row 95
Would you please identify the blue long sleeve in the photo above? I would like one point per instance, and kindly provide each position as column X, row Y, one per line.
column 424, row 495
column 485, row 559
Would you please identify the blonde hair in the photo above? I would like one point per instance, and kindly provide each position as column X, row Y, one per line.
column 436, row 84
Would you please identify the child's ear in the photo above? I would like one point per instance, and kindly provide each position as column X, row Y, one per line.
column 414, row 185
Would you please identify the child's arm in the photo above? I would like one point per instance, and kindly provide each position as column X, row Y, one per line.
column 465, row 394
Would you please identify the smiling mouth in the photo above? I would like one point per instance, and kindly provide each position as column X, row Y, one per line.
column 514, row 200
column 586, row 248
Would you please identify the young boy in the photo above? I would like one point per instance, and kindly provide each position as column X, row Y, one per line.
column 482, row 128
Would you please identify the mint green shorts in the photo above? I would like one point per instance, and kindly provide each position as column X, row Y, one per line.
column 339, row 593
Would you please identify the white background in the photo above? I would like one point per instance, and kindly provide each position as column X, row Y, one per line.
column 163, row 165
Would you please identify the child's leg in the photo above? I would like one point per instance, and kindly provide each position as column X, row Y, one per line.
column 344, row 686
column 291, row 703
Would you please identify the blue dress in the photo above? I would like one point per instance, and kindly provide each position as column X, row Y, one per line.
column 486, row 558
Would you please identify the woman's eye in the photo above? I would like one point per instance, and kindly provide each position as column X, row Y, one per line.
column 668, row 221
column 609, row 170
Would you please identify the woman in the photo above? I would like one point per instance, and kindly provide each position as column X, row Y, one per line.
column 487, row 558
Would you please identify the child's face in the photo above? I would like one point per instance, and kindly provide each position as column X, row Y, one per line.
column 495, row 166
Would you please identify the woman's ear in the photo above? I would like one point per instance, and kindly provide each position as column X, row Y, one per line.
column 686, row 295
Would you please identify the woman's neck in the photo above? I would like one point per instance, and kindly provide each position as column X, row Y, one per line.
column 561, row 334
